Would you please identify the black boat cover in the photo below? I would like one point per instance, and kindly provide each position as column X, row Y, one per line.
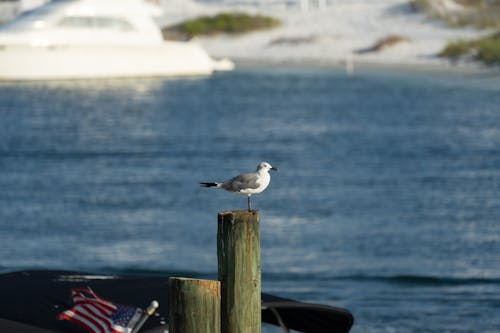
column 31, row 301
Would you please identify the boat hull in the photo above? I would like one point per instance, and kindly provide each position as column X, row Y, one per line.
column 60, row 62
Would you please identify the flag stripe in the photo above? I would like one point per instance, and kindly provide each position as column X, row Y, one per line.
column 80, row 298
column 98, row 315
column 85, row 293
column 82, row 321
column 101, row 310
column 88, row 312
column 102, row 316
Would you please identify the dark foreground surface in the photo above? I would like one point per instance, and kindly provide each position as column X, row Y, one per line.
column 32, row 300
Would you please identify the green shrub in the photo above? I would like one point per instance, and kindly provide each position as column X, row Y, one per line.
column 456, row 49
column 489, row 51
column 486, row 50
column 229, row 23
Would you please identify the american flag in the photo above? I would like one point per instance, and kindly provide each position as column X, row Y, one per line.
column 98, row 315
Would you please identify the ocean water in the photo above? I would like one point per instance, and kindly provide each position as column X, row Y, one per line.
column 387, row 201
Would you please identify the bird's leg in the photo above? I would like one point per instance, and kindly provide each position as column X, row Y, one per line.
column 249, row 204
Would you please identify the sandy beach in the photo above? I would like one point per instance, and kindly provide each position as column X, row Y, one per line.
column 342, row 33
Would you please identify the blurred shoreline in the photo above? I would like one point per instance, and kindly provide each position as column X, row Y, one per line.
column 343, row 34
column 461, row 69
column 384, row 34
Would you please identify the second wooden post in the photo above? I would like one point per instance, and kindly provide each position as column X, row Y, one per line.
column 194, row 306
column 239, row 267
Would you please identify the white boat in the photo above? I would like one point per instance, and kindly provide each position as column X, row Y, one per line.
column 73, row 39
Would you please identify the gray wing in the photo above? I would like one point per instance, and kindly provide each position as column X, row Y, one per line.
column 243, row 181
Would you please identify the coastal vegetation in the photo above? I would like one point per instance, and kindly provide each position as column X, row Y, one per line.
column 476, row 13
column 486, row 50
column 223, row 23
column 481, row 14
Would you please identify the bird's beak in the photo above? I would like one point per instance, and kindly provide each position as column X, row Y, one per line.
column 273, row 168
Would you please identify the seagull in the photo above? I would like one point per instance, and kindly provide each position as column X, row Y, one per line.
column 247, row 183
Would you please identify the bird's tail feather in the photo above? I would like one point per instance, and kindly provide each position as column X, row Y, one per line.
column 210, row 185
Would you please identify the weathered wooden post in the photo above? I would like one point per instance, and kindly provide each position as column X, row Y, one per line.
column 194, row 306
column 238, row 253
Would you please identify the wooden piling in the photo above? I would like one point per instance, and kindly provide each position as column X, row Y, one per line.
column 239, row 268
column 194, row 306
